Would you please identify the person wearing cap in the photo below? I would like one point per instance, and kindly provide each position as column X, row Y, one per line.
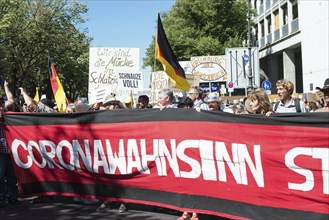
column 213, row 102
column 325, row 90
column 129, row 104
column 112, row 103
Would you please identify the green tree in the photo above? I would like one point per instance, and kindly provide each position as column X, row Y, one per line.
column 202, row 27
column 32, row 30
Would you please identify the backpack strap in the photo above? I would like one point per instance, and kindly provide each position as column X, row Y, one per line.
column 276, row 105
column 297, row 105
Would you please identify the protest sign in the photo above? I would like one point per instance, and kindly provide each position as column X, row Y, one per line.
column 160, row 81
column 104, row 64
column 130, row 80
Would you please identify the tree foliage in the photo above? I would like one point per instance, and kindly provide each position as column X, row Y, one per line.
column 202, row 27
column 32, row 30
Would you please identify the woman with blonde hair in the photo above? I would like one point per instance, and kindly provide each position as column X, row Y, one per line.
column 259, row 102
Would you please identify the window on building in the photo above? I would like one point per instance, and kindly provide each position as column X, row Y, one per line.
column 255, row 36
column 276, row 20
column 294, row 10
column 256, row 32
column 284, row 9
column 269, row 24
column 262, row 29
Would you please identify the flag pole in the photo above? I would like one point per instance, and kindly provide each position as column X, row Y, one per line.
column 155, row 53
column 155, row 46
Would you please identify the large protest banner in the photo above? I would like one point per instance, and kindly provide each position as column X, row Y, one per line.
column 237, row 166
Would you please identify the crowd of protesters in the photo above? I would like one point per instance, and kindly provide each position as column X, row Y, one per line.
column 256, row 102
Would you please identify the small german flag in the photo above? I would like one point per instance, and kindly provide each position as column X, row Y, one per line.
column 168, row 59
column 57, row 87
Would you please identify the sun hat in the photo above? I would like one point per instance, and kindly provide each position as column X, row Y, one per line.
column 110, row 99
column 325, row 85
column 129, row 99
column 212, row 97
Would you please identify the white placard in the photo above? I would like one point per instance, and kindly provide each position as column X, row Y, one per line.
column 98, row 95
column 130, row 80
column 160, row 80
column 104, row 63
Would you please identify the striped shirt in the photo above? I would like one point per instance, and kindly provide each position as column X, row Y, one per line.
column 201, row 104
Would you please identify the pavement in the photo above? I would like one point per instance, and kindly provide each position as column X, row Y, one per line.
column 64, row 208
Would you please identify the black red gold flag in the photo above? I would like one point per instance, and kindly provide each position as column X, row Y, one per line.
column 166, row 56
column 57, row 87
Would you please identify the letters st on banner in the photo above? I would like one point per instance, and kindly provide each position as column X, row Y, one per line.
column 244, row 166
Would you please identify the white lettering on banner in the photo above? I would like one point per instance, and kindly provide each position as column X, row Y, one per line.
column 59, row 154
column 85, row 156
column 194, row 164
column 135, row 157
column 30, row 147
column 49, row 155
column 212, row 163
column 316, row 153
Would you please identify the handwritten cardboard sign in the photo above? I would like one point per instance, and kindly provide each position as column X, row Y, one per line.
column 160, row 81
column 209, row 68
column 105, row 62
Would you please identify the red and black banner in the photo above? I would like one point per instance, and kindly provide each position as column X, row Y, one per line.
column 236, row 166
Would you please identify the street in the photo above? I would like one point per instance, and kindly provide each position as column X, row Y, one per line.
column 64, row 208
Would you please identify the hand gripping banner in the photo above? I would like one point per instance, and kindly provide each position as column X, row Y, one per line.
column 235, row 166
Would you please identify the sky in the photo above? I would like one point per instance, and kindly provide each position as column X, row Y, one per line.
column 124, row 23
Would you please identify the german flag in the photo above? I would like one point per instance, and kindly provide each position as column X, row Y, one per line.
column 168, row 59
column 57, row 87
column 36, row 96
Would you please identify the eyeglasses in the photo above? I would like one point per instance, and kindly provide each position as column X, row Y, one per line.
column 191, row 93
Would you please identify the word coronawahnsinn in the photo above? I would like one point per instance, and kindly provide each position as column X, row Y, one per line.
column 98, row 156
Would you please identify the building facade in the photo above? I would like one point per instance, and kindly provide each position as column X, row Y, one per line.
column 292, row 37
